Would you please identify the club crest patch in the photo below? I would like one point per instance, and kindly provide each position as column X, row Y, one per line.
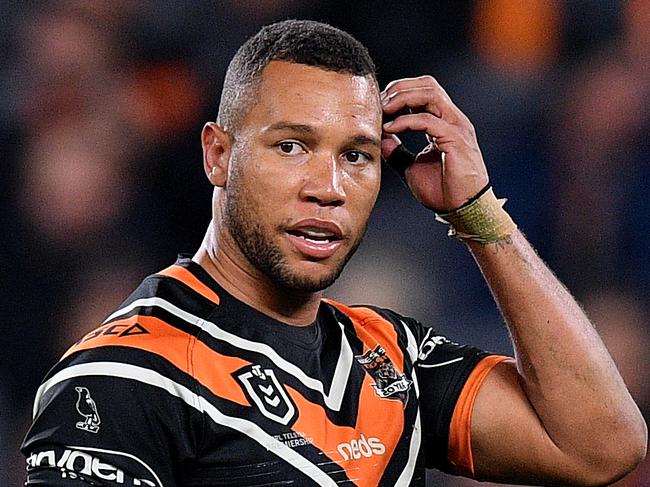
column 388, row 383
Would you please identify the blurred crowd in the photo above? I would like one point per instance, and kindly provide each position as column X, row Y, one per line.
column 101, row 106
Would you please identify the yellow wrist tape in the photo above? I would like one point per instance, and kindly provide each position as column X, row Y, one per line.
column 483, row 220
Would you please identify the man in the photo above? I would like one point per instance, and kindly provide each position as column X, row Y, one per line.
column 230, row 368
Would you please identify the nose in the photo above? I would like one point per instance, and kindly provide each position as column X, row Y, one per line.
column 323, row 182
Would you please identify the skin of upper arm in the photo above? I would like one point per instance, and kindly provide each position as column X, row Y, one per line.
column 509, row 442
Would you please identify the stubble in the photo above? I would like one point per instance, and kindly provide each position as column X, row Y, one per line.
column 244, row 226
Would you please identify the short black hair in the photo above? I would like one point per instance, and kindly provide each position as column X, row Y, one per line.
column 298, row 41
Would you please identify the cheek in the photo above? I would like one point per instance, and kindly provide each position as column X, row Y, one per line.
column 365, row 188
column 245, row 178
column 264, row 179
column 264, row 196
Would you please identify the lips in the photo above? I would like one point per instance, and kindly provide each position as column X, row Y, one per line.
column 316, row 239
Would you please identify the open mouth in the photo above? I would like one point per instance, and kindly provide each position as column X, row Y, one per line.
column 314, row 235
column 316, row 239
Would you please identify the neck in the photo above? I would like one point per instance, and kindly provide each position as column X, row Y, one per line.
column 220, row 257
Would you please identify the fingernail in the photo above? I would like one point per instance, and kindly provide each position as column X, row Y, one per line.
column 388, row 124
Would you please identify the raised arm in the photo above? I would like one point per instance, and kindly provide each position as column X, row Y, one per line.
column 560, row 413
column 563, row 415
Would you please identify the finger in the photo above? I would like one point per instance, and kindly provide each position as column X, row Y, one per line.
column 401, row 81
column 410, row 83
column 440, row 103
column 425, row 122
column 424, row 98
column 387, row 117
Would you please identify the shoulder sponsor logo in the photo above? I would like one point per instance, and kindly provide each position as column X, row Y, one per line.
column 388, row 383
column 121, row 330
column 88, row 409
column 85, row 466
column 430, row 343
column 267, row 393
column 361, row 447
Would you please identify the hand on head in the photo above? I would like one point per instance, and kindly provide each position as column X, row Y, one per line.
column 450, row 170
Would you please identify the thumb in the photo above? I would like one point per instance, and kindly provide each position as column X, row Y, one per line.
column 400, row 159
column 388, row 144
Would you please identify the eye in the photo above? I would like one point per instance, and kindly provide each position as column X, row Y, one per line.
column 356, row 157
column 290, row 148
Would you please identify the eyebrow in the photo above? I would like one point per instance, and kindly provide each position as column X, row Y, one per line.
column 365, row 140
column 296, row 127
column 309, row 130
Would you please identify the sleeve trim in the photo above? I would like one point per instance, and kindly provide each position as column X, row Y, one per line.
column 460, row 441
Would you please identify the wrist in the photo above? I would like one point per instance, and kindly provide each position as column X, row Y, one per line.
column 481, row 219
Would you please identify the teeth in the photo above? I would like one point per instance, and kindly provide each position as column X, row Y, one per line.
column 316, row 232
column 314, row 240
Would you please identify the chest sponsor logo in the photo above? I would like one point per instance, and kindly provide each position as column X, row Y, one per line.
column 388, row 383
column 361, row 447
column 85, row 466
column 87, row 408
column 267, row 393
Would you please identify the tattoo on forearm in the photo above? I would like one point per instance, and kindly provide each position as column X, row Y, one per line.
column 502, row 244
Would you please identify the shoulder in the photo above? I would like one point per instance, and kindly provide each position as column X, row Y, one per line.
column 132, row 378
column 375, row 317
column 183, row 283
column 382, row 326
column 149, row 337
column 365, row 314
column 163, row 313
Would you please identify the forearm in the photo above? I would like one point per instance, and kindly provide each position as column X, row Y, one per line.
column 565, row 370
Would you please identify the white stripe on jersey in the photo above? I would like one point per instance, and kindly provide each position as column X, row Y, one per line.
column 333, row 400
column 412, row 345
column 416, row 439
column 431, row 366
column 404, row 479
column 147, row 376
column 412, row 349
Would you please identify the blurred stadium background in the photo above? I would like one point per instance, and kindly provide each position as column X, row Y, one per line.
column 101, row 182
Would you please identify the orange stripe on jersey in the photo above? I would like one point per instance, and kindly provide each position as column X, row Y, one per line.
column 209, row 367
column 460, row 440
column 186, row 277
column 365, row 450
column 372, row 329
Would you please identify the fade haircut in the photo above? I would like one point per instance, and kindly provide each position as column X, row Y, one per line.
column 298, row 41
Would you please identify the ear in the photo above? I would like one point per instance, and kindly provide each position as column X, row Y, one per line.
column 216, row 153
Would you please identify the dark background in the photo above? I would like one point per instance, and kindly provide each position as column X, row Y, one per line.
column 101, row 179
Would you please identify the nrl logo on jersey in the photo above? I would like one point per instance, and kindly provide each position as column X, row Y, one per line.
column 267, row 393
column 388, row 383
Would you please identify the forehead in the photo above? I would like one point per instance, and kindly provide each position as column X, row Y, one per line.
column 306, row 94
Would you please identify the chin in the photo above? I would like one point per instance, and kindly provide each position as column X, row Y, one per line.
column 310, row 280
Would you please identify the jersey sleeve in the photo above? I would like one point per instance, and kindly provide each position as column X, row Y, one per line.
column 112, row 416
column 449, row 376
